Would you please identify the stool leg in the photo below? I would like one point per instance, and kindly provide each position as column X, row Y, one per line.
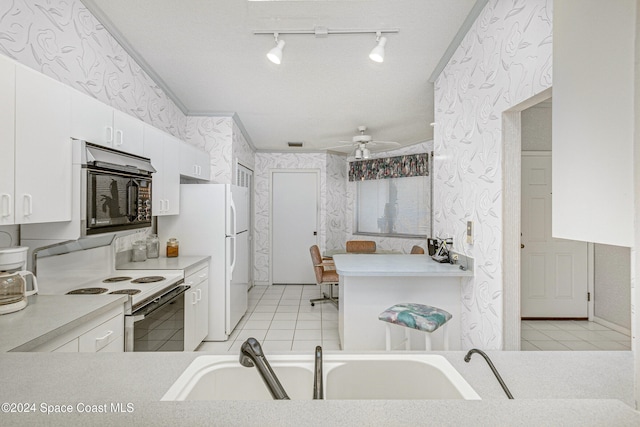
column 427, row 341
column 388, row 336
column 445, row 334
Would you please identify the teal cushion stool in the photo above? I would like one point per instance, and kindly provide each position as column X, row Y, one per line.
column 416, row 316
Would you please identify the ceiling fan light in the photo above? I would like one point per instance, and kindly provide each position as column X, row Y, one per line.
column 358, row 154
column 366, row 153
column 275, row 54
column 377, row 53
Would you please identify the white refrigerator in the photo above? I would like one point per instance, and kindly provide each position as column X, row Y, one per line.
column 214, row 221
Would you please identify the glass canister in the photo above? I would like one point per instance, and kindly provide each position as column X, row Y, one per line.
column 153, row 246
column 139, row 251
column 172, row 248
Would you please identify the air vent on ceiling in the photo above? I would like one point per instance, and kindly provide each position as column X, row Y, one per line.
column 294, row 144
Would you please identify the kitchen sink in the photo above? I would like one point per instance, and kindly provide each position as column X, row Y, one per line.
column 346, row 376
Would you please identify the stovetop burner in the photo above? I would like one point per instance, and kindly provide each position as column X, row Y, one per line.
column 148, row 279
column 116, row 279
column 87, row 291
column 126, row 292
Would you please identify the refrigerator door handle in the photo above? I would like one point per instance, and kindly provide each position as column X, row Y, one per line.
column 232, row 265
column 233, row 217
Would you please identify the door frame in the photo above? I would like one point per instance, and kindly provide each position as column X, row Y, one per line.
column 272, row 172
column 511, row 222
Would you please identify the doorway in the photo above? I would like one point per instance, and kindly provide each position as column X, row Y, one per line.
column 294, row 219
column 554, row 271
column 244, row 178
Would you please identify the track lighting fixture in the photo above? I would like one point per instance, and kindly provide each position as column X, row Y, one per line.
column 377, row 54
column 275, row 54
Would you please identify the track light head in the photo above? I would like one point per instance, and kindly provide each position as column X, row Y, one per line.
column 377, row 54
column 275, row 54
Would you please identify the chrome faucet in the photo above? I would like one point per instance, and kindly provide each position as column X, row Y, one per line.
column 467, row 358
column 251, row 355
column 318, row 392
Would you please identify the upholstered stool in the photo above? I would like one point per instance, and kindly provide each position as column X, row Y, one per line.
column 416, row 316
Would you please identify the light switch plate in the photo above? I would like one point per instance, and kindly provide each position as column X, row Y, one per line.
column 470, row 232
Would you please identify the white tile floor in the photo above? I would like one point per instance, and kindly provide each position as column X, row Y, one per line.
column 282, row 319
column 567, row 335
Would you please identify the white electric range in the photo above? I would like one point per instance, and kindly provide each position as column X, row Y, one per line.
column 154, row 311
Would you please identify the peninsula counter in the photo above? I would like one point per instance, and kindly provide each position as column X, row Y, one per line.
column 369, row 284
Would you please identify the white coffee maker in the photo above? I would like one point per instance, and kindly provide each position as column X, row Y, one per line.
column 13, row 283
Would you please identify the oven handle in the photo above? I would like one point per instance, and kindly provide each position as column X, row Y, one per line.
column 158, row 303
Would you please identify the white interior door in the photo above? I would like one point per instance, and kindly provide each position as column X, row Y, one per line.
column 294, row 217
column 554, row 271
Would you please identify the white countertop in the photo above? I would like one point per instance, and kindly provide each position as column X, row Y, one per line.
column 395, row 265
column 550, row 388
column 49, row 316
column 164, row 263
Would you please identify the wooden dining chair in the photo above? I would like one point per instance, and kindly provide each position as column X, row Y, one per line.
column 417, row 250
column 361, row 246
column 326, row 274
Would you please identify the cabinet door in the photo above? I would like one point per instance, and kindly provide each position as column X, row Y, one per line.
column 188, row 154
column 203, row 163
column 128, row 133
column 202, row 312
column 91, row 120
column 190, row 303
column 43, row 149
column 154, row 150
column 7, row 139
column 171, row 172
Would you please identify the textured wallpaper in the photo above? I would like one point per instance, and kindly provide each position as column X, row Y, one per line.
column 504, row 59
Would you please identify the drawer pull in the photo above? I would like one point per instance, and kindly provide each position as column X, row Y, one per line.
column 101, row 339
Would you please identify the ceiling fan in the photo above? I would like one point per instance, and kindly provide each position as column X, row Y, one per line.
column 363, row 144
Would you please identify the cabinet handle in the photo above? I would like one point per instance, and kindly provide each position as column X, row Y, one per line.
column 194, row 300
column 109, row 132
column 167, row 208
column 195, row 170
column 6, row 207
column 203, row 276
column 99, row 340
column 29, row 200
column 119, row 140
column 199, row 294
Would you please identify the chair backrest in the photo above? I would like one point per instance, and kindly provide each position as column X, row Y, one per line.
column 417, row 250
column 316, row 258
column 361, row 246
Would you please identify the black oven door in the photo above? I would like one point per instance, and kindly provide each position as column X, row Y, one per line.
column 117, row 201
column 158, row 325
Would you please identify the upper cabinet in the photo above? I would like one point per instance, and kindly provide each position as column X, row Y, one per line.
column 593, row 121
column 163, row 150
column 42, row 175
column 194, row 163
column 7, row 140
column 94, row 121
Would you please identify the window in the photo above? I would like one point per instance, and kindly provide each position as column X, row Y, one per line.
column 393, row 207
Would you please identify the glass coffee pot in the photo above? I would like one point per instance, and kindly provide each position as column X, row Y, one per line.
column 13, row 290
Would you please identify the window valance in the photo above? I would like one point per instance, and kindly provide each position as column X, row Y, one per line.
column 390, row 167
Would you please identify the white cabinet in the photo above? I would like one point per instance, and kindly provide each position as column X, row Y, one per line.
column 42, row 176
column 196, row 306
column 7, row 139
column 97, row 122
column 105, row 333
column 194, row 162
column 163, row 150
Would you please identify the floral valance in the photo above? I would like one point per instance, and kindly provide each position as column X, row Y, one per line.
column 390, row 167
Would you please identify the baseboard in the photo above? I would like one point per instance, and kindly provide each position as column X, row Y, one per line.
column 553, row 318
column 259, row 283
column 613, row 326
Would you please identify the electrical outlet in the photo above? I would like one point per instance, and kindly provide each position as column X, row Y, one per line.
column 454, row 258
column 470, row 232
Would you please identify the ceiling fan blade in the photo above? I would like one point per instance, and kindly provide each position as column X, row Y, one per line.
column 384, row 143
column 341, row 146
